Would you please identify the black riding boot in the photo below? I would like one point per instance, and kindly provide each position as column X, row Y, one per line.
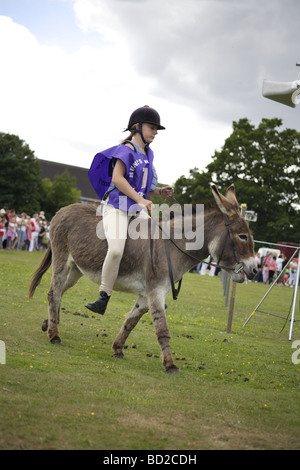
column 99, row 306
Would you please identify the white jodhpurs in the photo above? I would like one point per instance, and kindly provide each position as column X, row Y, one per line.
column 115, row 225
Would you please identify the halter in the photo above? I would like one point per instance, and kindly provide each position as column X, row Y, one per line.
column 238, row 267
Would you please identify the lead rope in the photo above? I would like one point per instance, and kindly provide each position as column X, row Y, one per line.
column 175, row 292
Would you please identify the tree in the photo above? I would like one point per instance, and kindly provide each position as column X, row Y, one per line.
column 263, row 163
column 20, row 180
column 59, row 193
column 194, row 189
column 21, row 185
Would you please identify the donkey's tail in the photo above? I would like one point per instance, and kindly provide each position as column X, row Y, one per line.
column 45, row 264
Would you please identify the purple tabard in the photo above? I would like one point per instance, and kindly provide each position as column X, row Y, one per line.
column 138, row 173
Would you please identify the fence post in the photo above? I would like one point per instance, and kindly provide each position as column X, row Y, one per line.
column 231, row 307
column 233, row 288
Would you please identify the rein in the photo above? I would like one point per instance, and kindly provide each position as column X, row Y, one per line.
column 237, row 268
column 175, row 292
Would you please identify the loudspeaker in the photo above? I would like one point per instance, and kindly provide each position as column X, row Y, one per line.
column 282, row 92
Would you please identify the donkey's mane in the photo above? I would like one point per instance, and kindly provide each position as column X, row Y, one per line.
column 209, row 205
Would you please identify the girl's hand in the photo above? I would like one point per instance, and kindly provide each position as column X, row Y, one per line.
column 167, row 191
column 146, row 204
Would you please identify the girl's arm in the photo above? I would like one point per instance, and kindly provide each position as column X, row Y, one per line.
column 167, row 191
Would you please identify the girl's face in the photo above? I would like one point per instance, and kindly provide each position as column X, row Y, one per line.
column 149, row 132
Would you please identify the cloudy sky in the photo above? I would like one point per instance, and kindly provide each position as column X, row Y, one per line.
column 72, row 71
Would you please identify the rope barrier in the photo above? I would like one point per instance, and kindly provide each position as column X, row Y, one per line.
column 277, row 244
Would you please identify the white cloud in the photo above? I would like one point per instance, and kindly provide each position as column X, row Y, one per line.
column 69, row 106
column 49, row 94
column 207, row 54
column 200, row 63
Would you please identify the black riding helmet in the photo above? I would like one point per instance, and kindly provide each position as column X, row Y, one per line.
column 141, row 115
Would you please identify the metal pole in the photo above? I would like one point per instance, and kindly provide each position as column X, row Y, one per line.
column 231, row 307
column 293, row 256
column 295, row 298
column 225, row 279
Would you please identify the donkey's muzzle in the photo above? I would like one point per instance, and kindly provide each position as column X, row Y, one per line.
column 249, row 271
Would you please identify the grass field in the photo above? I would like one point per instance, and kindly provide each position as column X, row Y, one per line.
column 235, row 391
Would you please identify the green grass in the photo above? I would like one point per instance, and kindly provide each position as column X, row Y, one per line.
column 235, row 391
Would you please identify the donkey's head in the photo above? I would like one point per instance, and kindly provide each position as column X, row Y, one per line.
column 231, row 244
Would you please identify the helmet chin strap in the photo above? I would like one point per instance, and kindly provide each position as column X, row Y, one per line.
column 139, row 130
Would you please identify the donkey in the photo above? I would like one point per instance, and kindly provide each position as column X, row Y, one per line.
column 145, row 270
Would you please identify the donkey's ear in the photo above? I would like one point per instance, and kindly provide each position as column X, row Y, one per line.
column 223, row 203
column 230, row 194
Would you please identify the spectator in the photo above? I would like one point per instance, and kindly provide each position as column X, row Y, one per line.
column 272, row 269
column 205, row 265
column 198, row 267
column 293, row 271
column 11, row 233
column 42, row 233
column 11, row 214
column 2, row 229
column 29, row 228
column 22, row 223
column 35, row 224
column 279, row 267
column 4, row 213
column 265, row 269
column 258, row 277
column 212, row 269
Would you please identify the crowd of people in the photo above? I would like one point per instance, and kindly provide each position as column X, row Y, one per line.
column 269, row 268
column 22, row 232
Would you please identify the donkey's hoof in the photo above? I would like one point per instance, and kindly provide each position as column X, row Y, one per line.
column 119, row 355
column 55, row 340
column 45, row 325
column 173, row 370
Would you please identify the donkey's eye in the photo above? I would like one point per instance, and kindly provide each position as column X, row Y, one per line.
column 242, row 237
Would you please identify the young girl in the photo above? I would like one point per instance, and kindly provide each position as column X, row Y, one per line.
column 11, row 233
column 2, row 229
column 134, row 177
column 265, row 271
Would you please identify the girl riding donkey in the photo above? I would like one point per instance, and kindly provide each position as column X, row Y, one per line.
column 132, row 179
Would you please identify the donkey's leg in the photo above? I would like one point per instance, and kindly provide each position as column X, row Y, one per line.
column 58, row 281
column 71, row 279
column 73, row 276
column 53, row 315
column 140, row 307
column 157, row 310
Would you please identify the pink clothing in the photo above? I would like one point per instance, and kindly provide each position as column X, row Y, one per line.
column 11, row 232
column 28, row 232
column 265, row 274
column 35, row 225
column 272, row 265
